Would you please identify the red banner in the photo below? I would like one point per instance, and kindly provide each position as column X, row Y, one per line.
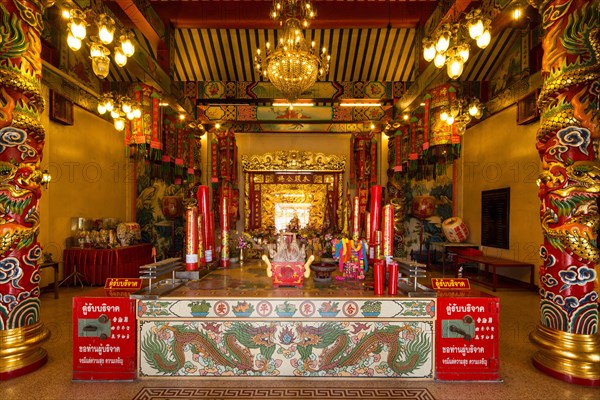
column 373, row 161
column 352, row 166
column 413, row 140
column 398, row 151
column 426, row 124
column 214, row 161
column 155, row 142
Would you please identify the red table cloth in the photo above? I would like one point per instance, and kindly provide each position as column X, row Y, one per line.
column 98, row 264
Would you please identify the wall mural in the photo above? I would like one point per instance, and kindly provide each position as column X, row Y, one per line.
column 159, row 211
column 512, row 69
column 422, row 233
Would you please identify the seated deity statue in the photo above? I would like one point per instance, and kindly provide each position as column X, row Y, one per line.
column 294, row 224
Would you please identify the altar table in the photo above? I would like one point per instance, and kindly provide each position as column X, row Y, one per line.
column 233, row 322
column 98, row 264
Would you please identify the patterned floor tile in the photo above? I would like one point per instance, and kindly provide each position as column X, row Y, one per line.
column 165, row 393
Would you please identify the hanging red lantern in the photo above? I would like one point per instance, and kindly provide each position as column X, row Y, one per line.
column 423, row 206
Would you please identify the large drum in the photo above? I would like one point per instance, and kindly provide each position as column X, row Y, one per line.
column 455, row 230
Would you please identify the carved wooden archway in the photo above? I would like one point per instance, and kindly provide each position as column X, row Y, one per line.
column 300, row 176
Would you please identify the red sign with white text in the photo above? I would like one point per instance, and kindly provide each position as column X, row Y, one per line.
column 467, row 336
column 104, row 337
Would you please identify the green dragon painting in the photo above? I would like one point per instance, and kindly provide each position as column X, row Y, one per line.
column 284, row 348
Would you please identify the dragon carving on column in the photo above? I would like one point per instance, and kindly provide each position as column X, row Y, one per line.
column 21, row 144
column 569, row 188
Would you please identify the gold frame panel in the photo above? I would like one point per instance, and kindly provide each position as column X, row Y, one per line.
column 293, row 161
column 315, row 194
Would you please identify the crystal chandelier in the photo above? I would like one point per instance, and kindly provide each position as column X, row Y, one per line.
column 106, row 31
column 293, row 66
column 448, row 46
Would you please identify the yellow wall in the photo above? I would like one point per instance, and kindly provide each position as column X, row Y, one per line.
column 498, row 153
column 88, row 164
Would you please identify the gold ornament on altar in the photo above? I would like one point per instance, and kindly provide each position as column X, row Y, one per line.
column 293, row 160
column 314, row 194
column 318, row 176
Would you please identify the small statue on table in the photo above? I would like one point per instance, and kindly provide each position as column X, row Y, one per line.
column 294, row 225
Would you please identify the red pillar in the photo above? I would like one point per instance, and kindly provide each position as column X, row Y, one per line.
column 21, row 144
column 569, row 187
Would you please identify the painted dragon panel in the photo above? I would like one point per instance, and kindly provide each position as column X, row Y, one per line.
column 286, row 348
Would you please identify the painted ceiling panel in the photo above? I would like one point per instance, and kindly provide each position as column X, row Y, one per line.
column 356, row 54
column 368, row 40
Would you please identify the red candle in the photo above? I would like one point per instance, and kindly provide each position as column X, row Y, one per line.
column 375, row 210
column 379, row 276
column 201, row 256
column 393, row 279
column 356, row 219
column 224, row 232
column 368, row 227
column 211, row 231
column 191, row 239
column 388, row 231
column 204, row 209
column 377, row 241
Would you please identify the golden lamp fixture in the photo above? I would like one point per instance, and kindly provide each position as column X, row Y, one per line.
column 106, row 30
column 449, row 45
column 121, row 109
column 294, row 65
column 461, row 112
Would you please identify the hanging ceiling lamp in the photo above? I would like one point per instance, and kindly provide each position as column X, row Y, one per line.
column 79, row 20
column 294, row 65
column 448, row 45
column 461, row 112
column 119, row 108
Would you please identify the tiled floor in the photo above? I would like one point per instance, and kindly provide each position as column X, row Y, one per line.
column 520, row 380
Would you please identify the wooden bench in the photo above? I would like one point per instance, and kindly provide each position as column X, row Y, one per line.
column 494, row 263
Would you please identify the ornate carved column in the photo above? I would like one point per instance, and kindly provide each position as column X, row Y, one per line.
column 567, row 142
column 21, row 145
